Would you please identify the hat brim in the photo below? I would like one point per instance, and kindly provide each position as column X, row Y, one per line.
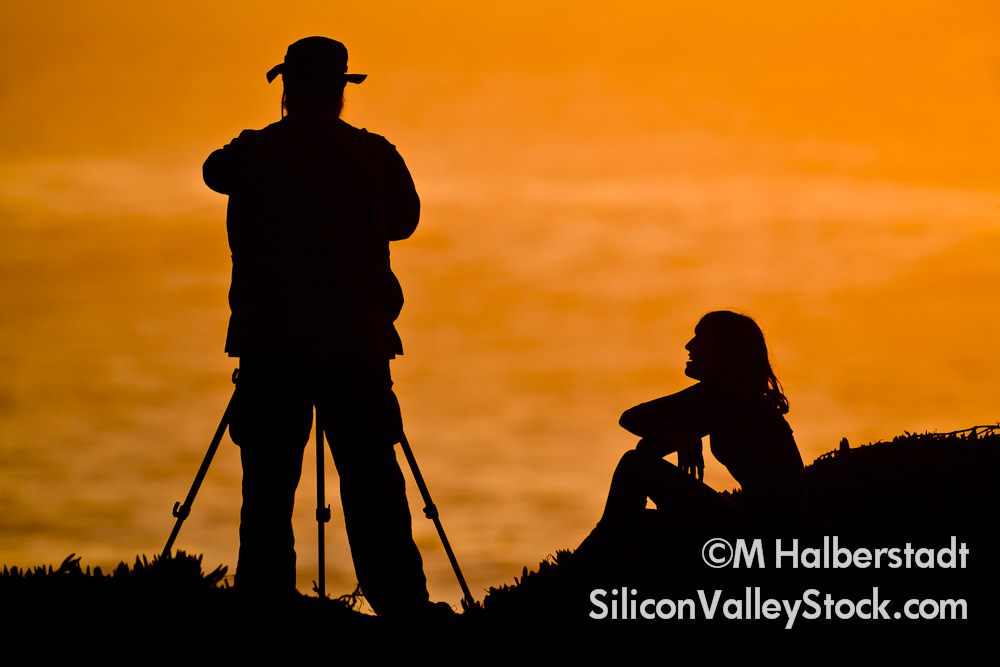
column 273, row 73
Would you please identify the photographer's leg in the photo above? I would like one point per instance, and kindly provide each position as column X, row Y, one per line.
column 362, row 437
column 271, row 424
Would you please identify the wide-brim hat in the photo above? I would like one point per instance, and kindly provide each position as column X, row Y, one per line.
column 315, row 60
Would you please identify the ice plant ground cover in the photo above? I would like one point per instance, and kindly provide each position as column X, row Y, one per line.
column 925, row 490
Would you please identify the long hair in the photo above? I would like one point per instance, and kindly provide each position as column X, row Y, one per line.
column 744, row 357
column 301, row 94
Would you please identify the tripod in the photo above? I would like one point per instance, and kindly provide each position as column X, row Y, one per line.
column 181, row 511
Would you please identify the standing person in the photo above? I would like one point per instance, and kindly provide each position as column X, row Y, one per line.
column 313, row 205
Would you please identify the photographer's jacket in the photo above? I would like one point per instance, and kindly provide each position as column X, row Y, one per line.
column 313, row 204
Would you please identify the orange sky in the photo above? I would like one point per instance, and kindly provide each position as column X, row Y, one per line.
column 155, row 80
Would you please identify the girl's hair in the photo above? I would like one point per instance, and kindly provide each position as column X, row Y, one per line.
column 743, row 352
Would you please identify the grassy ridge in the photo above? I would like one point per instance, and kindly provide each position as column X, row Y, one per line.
column 917, row 487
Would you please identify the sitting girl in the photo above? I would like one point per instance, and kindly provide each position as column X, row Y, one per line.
column 739, row 403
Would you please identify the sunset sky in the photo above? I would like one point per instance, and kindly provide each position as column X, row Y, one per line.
column 593, row 177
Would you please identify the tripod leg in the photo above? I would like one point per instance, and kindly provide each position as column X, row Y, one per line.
column 431, row 512
column 322, row 509
column 182, row 511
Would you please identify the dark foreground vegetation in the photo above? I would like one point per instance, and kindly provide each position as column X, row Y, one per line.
column 931, row 491
column 936, row 492
column 161, row 594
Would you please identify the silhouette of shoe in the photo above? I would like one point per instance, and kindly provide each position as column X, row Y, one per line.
column 431, row 611
column 438, row 611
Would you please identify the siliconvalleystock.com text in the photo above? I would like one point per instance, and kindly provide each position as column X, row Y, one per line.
column 626, row 604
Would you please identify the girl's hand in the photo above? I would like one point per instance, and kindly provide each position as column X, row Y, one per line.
column 689, row 455
column 687, row 446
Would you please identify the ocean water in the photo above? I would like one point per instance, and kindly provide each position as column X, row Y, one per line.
column 544, row 296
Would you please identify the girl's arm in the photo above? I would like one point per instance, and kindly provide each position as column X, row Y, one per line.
column 674, row 423
column 686, row 411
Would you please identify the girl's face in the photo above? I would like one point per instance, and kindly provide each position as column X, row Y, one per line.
column 704, row 357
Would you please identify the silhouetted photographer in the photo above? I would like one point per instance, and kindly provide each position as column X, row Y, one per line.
column 313, row 205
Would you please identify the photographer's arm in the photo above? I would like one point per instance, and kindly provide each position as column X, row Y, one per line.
column 403, row 206
column 219, row 168
column 216, row 172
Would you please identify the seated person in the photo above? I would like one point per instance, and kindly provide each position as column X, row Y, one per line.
column 737, row 401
